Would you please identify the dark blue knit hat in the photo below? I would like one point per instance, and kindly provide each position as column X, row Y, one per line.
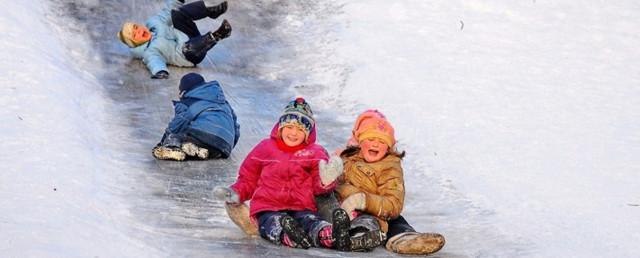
column 190, row 81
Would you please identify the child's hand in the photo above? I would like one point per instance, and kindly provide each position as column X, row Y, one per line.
column 331, row 170
column 354, row 202
column 226, row 194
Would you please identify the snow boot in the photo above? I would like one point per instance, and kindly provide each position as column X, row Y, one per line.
column 217, row 10
column 295, row 233
column 367, row 241
column 168, row 153
column 415, row 243
column 341, row 226
column 195, row 151
column 222, row 32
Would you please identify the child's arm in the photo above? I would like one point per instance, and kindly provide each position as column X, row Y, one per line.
column 346, row 189
column 154, row 60
column 248, row 175
column 318, row 187
column 180, row 120
column 389, row 201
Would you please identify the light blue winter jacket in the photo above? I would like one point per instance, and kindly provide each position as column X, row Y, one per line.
column 203, row 113
column 165, row 46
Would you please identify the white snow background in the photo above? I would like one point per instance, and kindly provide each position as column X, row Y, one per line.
column 525, row 111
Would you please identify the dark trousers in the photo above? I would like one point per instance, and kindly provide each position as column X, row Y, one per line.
column 327, row 203
column 397, row 226
column 270, row 228
column 195, row 50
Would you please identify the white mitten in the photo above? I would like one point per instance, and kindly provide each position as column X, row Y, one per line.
column 226, row 194
column 356, row 201
column 331, row 170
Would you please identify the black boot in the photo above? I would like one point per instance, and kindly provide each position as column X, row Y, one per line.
column 215, row 11
column 195, row 50
column 367, row 241
column 295, row 233
column 223, row 31
column 341, row 225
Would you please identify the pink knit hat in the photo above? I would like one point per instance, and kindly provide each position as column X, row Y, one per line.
column 373, row 124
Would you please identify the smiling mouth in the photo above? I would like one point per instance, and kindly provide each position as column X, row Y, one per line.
column 373, row 152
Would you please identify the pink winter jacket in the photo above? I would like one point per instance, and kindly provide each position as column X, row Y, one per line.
column 277, row 180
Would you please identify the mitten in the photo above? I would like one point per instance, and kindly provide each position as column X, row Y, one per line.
column 226, row 194
column 331, row 170
column 160, row 75
column 354, row 202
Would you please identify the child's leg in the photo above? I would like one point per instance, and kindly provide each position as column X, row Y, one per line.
column 366, row 233
column 280, row 228
column 398, row 226
column 269, row 226
column 294, row 234
column 184, row 16
column 169, row 148
column 196, row 48
column 211, row 143
column 403, row 239
column 312, row 224
column 195, row 148
column 340, row 234
column 326, row 204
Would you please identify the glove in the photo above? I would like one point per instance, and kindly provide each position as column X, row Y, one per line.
column 226, row 194
column 354, row 202
column 331, row 170
column 160, row 75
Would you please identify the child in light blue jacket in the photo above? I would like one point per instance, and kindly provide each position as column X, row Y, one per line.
column 172, row 37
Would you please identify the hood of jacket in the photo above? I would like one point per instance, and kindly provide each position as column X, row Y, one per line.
column 210, row 91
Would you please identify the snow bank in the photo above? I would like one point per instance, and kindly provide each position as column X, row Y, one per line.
column 51, row 188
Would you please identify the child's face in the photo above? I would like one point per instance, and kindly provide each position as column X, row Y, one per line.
column 292, row 135
column 373, row 149
column 139, row 34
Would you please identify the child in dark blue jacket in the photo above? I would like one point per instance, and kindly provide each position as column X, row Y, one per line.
column 204, row 126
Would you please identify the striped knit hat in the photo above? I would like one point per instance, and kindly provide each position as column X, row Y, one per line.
column 298, row 113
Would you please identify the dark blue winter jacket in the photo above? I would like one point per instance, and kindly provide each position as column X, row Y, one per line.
column 204, row 114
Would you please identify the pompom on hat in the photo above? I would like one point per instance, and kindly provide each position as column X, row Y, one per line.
column 373, row 124
column 297, row 113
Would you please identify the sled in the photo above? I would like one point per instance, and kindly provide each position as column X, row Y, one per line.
column 239, row 214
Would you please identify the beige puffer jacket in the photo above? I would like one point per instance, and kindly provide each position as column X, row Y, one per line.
column 381, row 181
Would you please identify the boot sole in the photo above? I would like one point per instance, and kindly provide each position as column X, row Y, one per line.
column 168, row 154
column 368, row 241
column 422, row 243
column 341, row 225
column 195, row 151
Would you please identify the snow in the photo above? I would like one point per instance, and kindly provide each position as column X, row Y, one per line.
column 530, row 110
column 520, row 122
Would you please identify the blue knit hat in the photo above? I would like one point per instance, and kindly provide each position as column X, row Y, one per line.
column 190, row 81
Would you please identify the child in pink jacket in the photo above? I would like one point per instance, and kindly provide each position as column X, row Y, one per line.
column 282, row 175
